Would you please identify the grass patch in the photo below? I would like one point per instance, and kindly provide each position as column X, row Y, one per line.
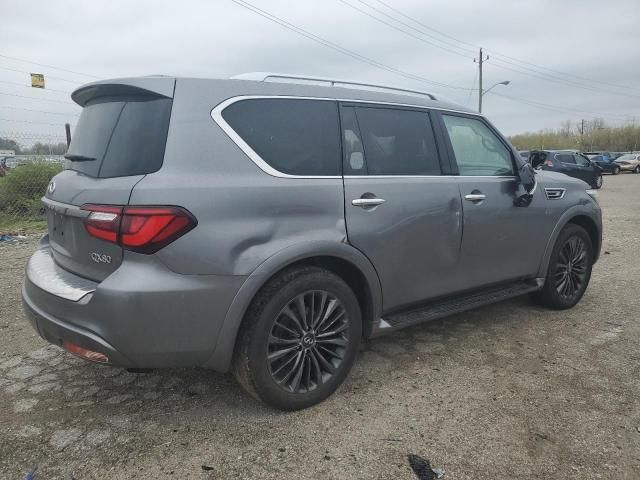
column 12, row 224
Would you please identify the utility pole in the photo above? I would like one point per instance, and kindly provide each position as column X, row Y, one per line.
column 479, row 61
column 582, row 134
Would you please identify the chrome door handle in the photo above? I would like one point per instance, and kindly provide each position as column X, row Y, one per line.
column 367, row 202
column 475, row 197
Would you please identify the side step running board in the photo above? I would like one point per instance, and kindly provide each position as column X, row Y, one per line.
column 444, row 308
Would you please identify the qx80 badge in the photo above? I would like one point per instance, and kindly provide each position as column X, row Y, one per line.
column 100, row 257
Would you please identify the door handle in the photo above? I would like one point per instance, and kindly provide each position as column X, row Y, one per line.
column 367, row 202
column 475, row 197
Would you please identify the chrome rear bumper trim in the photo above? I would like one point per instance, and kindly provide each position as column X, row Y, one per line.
column 43, row 272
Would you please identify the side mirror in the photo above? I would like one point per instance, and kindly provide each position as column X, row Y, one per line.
column 527, row 176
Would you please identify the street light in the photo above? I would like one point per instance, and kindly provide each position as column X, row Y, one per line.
column 483, row 92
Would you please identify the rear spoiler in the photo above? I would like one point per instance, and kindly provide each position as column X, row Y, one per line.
column 139, row 86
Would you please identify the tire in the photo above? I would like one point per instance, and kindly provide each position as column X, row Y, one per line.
column 637, row 169
column 598, row 182
column 616, row 170
column 574, row 250
column 311, row 369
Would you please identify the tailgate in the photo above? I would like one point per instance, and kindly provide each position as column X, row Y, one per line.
column 120, row 137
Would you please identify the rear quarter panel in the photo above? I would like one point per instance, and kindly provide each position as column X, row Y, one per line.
column 244, row 215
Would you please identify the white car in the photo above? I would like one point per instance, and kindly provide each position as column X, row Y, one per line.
column 629, row 162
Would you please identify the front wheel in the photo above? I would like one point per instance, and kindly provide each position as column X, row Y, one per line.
column 598, row 182
column 569, row 269
column 637, row 169
column 299, row 339
column 616, row 170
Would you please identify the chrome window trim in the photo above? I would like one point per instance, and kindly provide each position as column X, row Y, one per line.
column 216, row 115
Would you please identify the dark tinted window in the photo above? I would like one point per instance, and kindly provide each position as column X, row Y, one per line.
column 297, row 137
column 125, row 136
column 397, row 142
column 565, row 158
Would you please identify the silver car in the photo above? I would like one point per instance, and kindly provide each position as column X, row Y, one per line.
column 269, row 224
column 629, row 162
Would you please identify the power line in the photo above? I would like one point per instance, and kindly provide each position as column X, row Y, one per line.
column 338, row 48
column 400, row 29
column 536, row 74
column 558, row 80
column 37, row 99
column 47, row 66
column 546, row 106
column 35, row 123
column 494, row 52
column 29, row 86
column 48, row 76
column 41, row 111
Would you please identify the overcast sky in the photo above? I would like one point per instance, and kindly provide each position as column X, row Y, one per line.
column 591, row 47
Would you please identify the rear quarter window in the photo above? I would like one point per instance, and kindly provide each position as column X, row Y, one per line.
column 295, row 137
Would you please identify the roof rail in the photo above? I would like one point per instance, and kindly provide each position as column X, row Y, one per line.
column 266, row 76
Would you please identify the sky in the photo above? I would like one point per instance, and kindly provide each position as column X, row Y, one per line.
column 565, row 59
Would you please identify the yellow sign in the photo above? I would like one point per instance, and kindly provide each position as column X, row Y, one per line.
column 37, row 80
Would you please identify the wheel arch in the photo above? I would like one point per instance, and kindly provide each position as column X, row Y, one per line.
column 342, row 259
column 587, row 218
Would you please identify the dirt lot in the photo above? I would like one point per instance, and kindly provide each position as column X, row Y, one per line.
column 508, row 391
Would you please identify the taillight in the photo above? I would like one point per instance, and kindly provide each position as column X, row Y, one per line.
column 549, row 162
column 141, row 229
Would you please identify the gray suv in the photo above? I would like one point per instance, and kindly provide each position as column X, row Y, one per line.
column 268, row 224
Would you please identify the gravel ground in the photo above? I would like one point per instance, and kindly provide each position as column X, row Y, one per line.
column 508, row 391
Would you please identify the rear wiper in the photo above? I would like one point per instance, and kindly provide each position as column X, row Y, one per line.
column 79, row 158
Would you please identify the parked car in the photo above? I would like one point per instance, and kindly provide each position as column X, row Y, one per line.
column 629, row 162
column 605, row 161
column 267, row 227
column 524, row 154
column 570, row 163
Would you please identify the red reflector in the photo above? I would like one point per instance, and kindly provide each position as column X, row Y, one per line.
column 141, row 229
column 84, row 353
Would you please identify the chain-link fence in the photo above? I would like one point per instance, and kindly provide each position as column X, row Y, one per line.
column 28, row 161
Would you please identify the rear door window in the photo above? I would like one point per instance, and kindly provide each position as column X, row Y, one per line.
column 394, row 142
column 478, row 151
column 293, row 136
column 120, row 136
column 566, row 158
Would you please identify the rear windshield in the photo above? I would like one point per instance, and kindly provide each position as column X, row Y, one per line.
column 123, row 136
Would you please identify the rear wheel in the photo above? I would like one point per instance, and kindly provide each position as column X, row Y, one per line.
column 569, row 269
column 637, row 169
column 299, row 339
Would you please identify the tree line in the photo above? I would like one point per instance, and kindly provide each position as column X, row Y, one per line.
column 38, row 148
column 586, row 136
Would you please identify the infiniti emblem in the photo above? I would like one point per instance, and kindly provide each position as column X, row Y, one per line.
column 52, row 187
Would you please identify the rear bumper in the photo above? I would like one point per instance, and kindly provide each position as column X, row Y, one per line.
column 143, row 315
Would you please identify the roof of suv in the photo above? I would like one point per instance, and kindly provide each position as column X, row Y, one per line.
column 162, row 85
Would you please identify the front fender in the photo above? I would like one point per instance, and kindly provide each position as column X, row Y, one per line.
column 220, row 360
column 590, row 210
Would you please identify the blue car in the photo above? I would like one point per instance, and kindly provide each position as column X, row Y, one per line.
column 605, row 161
